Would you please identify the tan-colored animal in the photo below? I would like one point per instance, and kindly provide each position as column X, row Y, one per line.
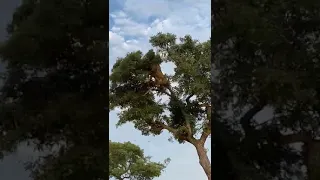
column 159, row 79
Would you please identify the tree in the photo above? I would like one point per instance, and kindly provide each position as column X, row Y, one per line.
column 183, row 117
column 267, row 56
column 55, row 91
column 127, row 161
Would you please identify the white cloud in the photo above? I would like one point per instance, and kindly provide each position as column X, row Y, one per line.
column 147, row 8
column 184, row 160
column 115, row 39
column 129, row 33
column 132, row 27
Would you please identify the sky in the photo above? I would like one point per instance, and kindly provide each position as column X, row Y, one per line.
column 147, row 17
column 131, row 23
column 12, row 168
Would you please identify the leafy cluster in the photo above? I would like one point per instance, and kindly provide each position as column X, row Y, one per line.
column 192, row 73
column 55, row 90
column 267, row 57
column 127, row 161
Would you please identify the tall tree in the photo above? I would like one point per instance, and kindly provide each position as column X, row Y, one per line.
column 127, row 161
column 267, row 56
column 55, row 91
column 187, row 112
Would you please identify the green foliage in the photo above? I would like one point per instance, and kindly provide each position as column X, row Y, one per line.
column 163, row 41
column 127, row 161
column 79, row 162
column 266, row 53
column 192, row 73
column 55, row 91
column 182, row 117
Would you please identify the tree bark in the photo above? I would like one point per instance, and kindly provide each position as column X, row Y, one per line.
column 313, row 160
column 203, row 159
column 311, row 154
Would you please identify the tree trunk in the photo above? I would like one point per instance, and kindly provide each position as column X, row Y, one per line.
column 313, row 160
column 311, row 153
column 203, row 159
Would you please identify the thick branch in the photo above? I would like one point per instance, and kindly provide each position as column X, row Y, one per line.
column 160, row 90
column 189, row 128
column 245, row 120
column 119, row 178
column 294, row 138
column 163, row 126
column 173, row 95
column 173, row 131
column 188, row 98
column 206, row 132
column 207, row 126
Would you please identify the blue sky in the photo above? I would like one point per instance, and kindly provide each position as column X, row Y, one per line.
column 132, row 22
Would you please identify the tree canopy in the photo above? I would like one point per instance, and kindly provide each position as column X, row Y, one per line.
column 55, row 90
column 266, row 56
column 182, row 113
column 127, row 161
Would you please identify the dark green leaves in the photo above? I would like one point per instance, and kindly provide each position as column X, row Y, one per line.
column 267, row 52
column 57, row 84
column 130, row 91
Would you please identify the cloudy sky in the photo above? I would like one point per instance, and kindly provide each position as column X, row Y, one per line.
column 132, row 22
column 11, row 168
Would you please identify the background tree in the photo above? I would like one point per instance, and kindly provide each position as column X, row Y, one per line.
column 266, row 56
column 56, row 86
column 127, row 161
column 183, row 115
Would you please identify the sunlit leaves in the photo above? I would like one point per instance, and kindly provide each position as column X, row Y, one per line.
column 127, row 160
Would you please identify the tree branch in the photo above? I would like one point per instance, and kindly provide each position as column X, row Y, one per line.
column 245, row 120
column 206, row 132
column 207, row 127
column 119, row 178
column 208, row 110
column 173, row 131
column 173, row 95
column 159, row 90
column 170, row 129
column 188, row 98
column 294, row 138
